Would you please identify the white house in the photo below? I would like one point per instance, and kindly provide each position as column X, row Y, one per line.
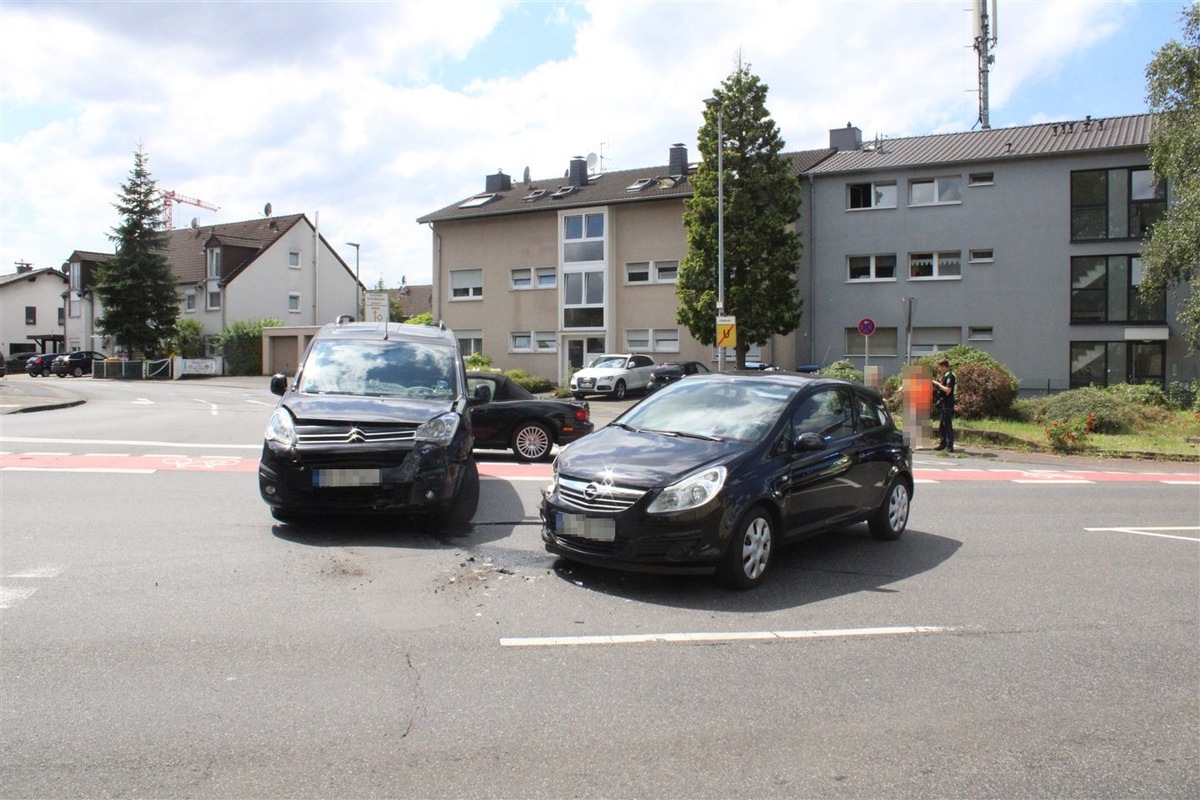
column 31, row 310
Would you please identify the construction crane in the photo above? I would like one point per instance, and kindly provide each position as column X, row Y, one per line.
column 170, row 198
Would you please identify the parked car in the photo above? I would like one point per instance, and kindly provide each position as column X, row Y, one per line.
column 77, row 364
column 375, row 421
column 613, row 374
column 38, row 365
column 515, row 418
column 3, row 368
column 715, row 472
column 669, row 373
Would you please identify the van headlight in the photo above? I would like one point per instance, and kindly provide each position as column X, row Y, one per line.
column 692, row 492
column 439, row 430
column 281, row 429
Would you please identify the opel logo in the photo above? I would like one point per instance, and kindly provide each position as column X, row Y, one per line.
column 591, row 491
column 356, row 435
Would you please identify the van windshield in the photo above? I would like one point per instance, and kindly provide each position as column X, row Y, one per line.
column 379, row 368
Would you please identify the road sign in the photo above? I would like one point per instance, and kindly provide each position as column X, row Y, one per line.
column 377, row 307
column 866, row 326
column 726, row 331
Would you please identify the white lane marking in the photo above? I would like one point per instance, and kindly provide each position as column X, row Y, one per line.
column 127, row 442
column 10, row 596
column 1140, row 531
column 142, row 401
column 1178, row 483
column 79, row 469
column 692, row 638
column 212, row 407
column 37, row 572
column 260, row 403
column 1052, row 481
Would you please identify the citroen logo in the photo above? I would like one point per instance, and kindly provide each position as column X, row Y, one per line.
column 356, row 435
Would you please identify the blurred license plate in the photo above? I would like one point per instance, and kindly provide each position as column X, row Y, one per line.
column 325, row 478
column 598, row 529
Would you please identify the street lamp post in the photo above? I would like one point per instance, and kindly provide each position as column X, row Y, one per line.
column 716, row 103
column 357, row 282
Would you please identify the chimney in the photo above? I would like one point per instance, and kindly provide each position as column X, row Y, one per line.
column 578, row 172
column 498, row 182
column 677, row 165
column 23, row 267
column 847, row 138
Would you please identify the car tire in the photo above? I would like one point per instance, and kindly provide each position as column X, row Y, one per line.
column 459, row 512
column 580, row 395
column 891, row 518
column 618, row 392
column 750, row 550
column 77, row 372
column 531, row 441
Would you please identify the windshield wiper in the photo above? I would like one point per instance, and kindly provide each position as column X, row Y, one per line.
column 685, row 434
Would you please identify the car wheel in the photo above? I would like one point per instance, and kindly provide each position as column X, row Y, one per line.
column 77, row 372
column 580, row 395
column 531, row 441
column 750, row 550
column 890, row 520
column 46, row 372
column 461, row 510
column 619, row 391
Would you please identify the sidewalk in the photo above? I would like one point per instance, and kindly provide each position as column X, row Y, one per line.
column 20, row 393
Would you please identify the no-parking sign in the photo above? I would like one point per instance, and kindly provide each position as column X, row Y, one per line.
column 866, row 326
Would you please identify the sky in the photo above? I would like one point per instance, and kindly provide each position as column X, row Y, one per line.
column 367, row 115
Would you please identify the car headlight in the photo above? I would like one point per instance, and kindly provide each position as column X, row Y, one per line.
column 692, row 492
column 281, row 429
column 439, row 430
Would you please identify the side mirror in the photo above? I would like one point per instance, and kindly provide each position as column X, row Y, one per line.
column 279, row 384
column 481, row 395
column 809, row 442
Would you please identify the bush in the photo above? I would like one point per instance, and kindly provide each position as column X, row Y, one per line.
column 188, row 341
column 1073, row 435
column 986, row 388
column 1106, row 409
column 241, row 345
column 843, row 369
column 478, row 361
column 531, row 383
column 1184, row 396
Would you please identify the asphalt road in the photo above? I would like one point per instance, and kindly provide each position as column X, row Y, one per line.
column 1035, row 633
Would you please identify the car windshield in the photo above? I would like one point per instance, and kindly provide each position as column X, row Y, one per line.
column 608, row 362
column 740, row 412
column 382, row 368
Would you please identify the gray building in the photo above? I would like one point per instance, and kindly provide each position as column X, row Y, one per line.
column 1022, row 242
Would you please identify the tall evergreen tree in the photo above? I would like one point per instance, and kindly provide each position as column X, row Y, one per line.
column 1171, row 255
column 136, row 286
column 762, row 200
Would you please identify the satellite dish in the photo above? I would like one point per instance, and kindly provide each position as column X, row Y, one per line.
column 592, row 161
column 527, row 176
column 267, row 210
column 195, row 223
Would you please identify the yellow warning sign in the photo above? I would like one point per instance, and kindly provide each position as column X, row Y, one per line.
column 726, row 331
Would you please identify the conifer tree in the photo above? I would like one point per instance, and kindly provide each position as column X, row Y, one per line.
column 762, row 200
column 136, row 286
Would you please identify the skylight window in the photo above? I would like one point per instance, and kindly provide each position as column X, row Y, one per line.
column 639, row 184
column 563, row 191
column 534, row 195
column 479, row 200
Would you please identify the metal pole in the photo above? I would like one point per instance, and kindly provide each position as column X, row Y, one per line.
column 712, row 101
column 357, row 283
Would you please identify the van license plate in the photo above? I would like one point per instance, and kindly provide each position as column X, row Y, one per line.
column 341, row 478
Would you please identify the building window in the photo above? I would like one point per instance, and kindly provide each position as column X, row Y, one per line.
column 883, row 342
column 545, row 342
column 213, row 297
column 637, row 272
column 666, row 271
column 935, row 191
column 547, row 277
column 871, row 195
column 1115, row 203
column 469, row 342
column 189, row 301
column 637, row 339
column 214, row 263
column 946, row 264
column 982, row 256
column 294, row 259
column 522, row 278
column 74, row 305
column 62, row 316
column 872, row 268
column 583, row 237
column 293, row 302
column 980, row 334
column 980, row 179
column 466, row 284
column 666, row 340
column 930, row 340
column 1105, row 289
column 583, row 299
column 520, row 341
column 76, row 277
column 31, row 315
column 1110, row 363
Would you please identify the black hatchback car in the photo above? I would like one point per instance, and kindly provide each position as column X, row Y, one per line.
column 375, row 420
column 38, row 366
column 669, row 373
column 77, row 364
column 713, row 473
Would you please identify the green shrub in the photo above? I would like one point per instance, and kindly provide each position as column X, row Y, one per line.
column 478, row 361
column 424, row 318
column 983, row 391
column 843, row 369
column 1184, row 396
column 1110, row 415
column 241, row 345
column 1072, row 435
column 532, row 383
column 188, row 341
column 1140, row 393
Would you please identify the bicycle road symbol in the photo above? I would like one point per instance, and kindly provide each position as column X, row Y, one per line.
column 202, row 462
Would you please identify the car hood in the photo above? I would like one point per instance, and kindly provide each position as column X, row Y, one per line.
column 319, row 408
column 599, row 372
column 640, row 458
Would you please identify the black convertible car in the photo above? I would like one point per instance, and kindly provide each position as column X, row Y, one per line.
column 514, row 418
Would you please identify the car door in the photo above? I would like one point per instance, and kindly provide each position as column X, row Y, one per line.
column 640, row 368
column 488, row 421
column 820, row 487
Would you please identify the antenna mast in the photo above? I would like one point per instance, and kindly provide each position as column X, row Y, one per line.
column 985, row 38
